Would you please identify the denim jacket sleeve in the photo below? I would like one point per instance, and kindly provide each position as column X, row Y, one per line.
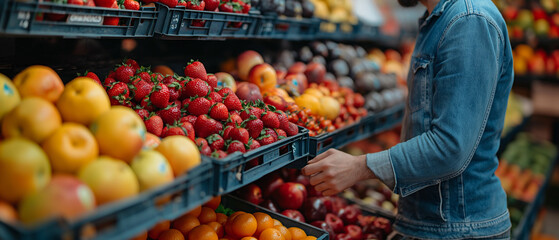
column 466, row 72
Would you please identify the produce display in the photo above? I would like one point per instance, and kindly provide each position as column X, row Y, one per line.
column 536, row 19
column 65, row 150
column 538, row 62
column 517, row 109
column 214, row 221
column 289, row 193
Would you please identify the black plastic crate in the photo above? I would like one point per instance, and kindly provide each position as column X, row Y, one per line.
column 237, row 170
column 240, row 205
column 180, row 22
column 287, row 28
column 31, row 18
column 127, row 218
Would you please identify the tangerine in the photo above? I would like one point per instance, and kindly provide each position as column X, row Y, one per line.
column 241, row 225
column 271, row 234
column 156, row 230
column 297, row 233
column 207, row 215
column 218, row 228
column 221, row 218
column 194, row 212
column 277, row 223
column 185, row 224
column 171, row 234
column 263, row 222
column 213, row 203
column 203, row 232
column 284, row 232
column 249, row 238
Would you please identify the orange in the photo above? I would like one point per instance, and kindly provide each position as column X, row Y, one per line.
column 241, row 225
column 263, row 222
column 24, row 168
column 297, row 233
column 310, row 102
column 309, row 238
column 181, row 153
column 271, row 234
column 9, row 96
column 277, row 223
column 218, row 228
column 315, row 92
column 7, row 212
column 221, row 218
column 151, row 141
column 284, row 232
column 156, row 230
column 194, row 212
column 71, row 147
column 213, row 203
column 185, row 224
column 33, row 118
column 249, row 238
column 202, row 232
column 83, row 101
column 329, row 108
column 228, row 238
column 171, row 234
column 109, row 179
column 120, row 133
column 165, row 70
column 39, row 81
column 151, row 169
column 141, row 236
column 207, row 215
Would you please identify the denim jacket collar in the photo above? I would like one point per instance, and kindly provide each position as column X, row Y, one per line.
column 437, row 11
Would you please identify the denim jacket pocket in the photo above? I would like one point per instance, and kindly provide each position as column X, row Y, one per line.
column 419, row 98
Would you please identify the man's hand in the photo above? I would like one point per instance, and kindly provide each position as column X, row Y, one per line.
column 333, row 171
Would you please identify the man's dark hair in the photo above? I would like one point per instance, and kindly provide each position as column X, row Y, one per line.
column 408, row 3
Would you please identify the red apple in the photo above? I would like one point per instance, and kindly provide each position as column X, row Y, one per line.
column 315, row 72
column 248, row 92
column 371, row 236
column 290, row 195
column 294, row 214
column 349, row 214
column 354, row 231
column 536, row 65
column 270, row 183
column 264, row 76
column 365, row 220
column 251, row 193
column 270, row 205
column 539, row 13
column 226, row 80
column 343, row 236
column 314, row 209
column 314, row 193
column 331, row 84
column 336, row 205
column 297, row 81
column 517, row 32
column 555, row 19
column 322, row 225
column 510, row 13
column 384, row 224
column 245, row 62
column 281, row 73
column 277, row 101
column 298, row 67
column 335, row 222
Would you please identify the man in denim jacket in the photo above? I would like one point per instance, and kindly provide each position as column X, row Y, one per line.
column 460, row 77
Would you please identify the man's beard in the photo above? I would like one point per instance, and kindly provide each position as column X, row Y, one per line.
column 408, row 3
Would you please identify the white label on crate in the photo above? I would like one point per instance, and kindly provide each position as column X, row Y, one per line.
column 23, row 18
column 85, row 19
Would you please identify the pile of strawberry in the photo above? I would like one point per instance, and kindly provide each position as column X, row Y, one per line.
column 231, row 6
column 193, row 106
column 111, row 21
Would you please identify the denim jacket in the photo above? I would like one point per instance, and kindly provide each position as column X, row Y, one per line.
column 460, row 77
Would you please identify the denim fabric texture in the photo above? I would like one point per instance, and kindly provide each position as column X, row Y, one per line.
column 459, row 80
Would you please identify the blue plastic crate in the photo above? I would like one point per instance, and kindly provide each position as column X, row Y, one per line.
column 127, row 218
column 240, row 205
column 235, row 171
column 366, row 127
column 336, row 31
column 287, row 28
column 30, row 18
column 180, row 22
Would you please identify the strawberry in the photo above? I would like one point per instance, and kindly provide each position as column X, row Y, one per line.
column 197, row 5
column 89, row 3
column 283, row 120
column 195, row 69
column 157, row 77
column 131, row 5
column 292, row 129
column 236, row 146
column 215, row 97
column 246, row 8
column 225, row 91
column 145, row 75
column 253, row 144
column 265, row 140
column 104, row 3
column 200, row 142
column 272, row 133
column 234, row 120
column 197, row 88
column 144, row 114
column 170, row 3
column 92, row 76
column 206, row 126
column 173, row 130
column 281, row 134
column 111, row 74
column 182, row 3
column 212, row 80
column 219, row 154
column 118, row 92
column 159, row 96
column 124, row 73
column 216, row 142
column 232, row 102
column 254, row 127
column 183, row 81
column 170, row 114
column 141, row 89
column 227, row 7
column 270, row 120
column 189, row 129
column 190, row 118
column 227, row 132
column 206, row 151
column 240, row 134
column 154, row 125
column 146, row 104
column 211, row 5
column 198, row 23
column 108, row 82
column 173, row 86
column 199, row 106
column 185, row 103
column 219, row 112
column 251, row 111
column 132, row 62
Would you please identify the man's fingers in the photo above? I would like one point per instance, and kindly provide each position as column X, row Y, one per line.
column 318, row 178
column 321, row 187
column 329, row 192
column 311, row 169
